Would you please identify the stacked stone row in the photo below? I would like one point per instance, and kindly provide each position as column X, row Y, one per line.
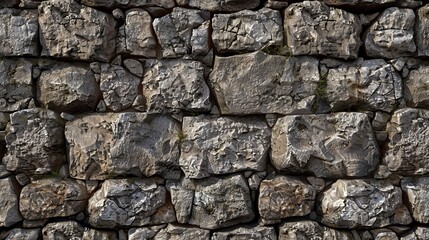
column 214, row 119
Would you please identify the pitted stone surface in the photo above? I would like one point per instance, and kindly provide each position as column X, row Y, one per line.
column 224, row 5
column 138, row 34
column 19, row 32
column 223, row 145
column 392, row 34
column 35, row 141
column 52, row 197
column 417, row 192
column 284, row 196
column 284, row 85
column 16, row 87
column 172, row 85
column 129, row 3
column 247, row 30
column 313, row 28
column 369, row 84
column 67, row 230
column 130, row 202
column 362, row 203
column 118, row 87
column 311, row 230
column 68, row 88
column 247, row 232
column 330, row 146
column 178, row 32
column 111, row 144
column 416, row 88
column 422, row 31
column 171, row 232
column 71, row 30
column 9, row 203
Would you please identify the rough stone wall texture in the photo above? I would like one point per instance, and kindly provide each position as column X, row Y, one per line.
column 214, row 119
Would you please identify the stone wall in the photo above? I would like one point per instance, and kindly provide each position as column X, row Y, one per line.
column 214, row 119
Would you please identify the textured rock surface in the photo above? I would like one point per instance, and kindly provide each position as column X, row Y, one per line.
column 138, row 33
column 420, row 233
column 171, row 232
column 407, row 135
column 223, row 145
column 130, row 202
column 18, row 32
column 118, row 87
column 171, row 85
column 362, row 203
column 284, row 196
column 129, row 3
column 68, row 88
column 312, row 28
column 111, row 144
column 16, row 89
column 285, row 85
column 370, row 84
column 311, row 230
column 247, row 30
column 52, row 197
column 391, row 35
column 246, row 232
column 358, row 3
column 71, row 30
column 224, row 5
column 422, row 31
column 93, row 234
column 35, row 141
column 416, row 88
column 9, row 209
column 68, row 230
column 417, row 192
column 336, row 145
column 177, row 30
column 23, row 234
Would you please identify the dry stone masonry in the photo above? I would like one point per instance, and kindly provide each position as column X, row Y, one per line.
column 214, row 119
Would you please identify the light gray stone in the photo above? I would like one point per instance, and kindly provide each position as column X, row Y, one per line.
column 139, row 38
column 176, row 35
column 112, row 144
column 284, row 85
column 68, row 88
column 68, row 230
column 313, row 28
column 118, row 87
column 384, row 234
column 417, row 191
column 52, row 197
column 71, row 30
column 174, row 85
column 144, row 232
column 93, row 234
column 366, row 84
column 246, row 232
column 9, row 209
column 224, row 5
column 171, row 232
column 16, row 87
column 365, row 4
column 134, row 67
column 392, row 34
column 416, row 88
column 329, row 146
column 422, row 31
column 247, row 30
column 311, row 230
column 223, row 145
column 24, row 234
column 284, row 196
column 362, row 203
column 130, row 202
column 129, row 3
column 19, row 32
column 35, row 141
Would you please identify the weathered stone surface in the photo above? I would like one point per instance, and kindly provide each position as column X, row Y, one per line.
column 223, row 145
column 224, row 5
column 283, row 196
column 19, row 32
column 68, row 88
column 68, row 230
column 284, row 85
column 420, row 233
column 422, row 31
column 133, row 66
column 129, row 3
column 408, row 142
column 311, row 230
column 93, row 234
column 178, row 32
column 9, row 209
column 16, row 88
column 35, row 141
column 130, row 202
column 247, row 30
column 362, row 203
column 313, row 28
column 213, row 202
column 416, row 88
column 118, row 87
column 171, row 232
column 246, row 232
column 365, row 84
column 171, row 85
column 332, row 146
column 24, row 234
column 52, row 197
column 358, row 3
column 111, row 144
column 71, row 30
column 417, row 191
column 391, row 35
column 138, row 34
column 384, row 234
